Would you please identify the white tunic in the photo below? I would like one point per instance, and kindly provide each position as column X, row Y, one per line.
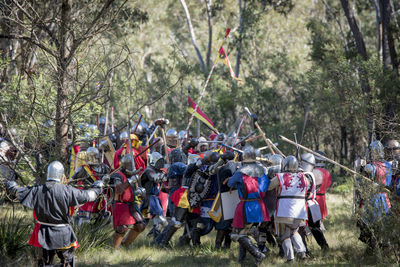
column 292, row 197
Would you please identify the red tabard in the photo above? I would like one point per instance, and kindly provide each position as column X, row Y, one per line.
column 326, row 182
column 139, row 162
column 121, row 212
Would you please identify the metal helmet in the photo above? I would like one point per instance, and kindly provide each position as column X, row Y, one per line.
column 202, row 147
column 307, row 162
column 182, row 134
column 55, row 171
column 276, row 159
column 92, row 155
column 127, row 161
column 156, row 160
column 102, row 121
column 249, row 153
column 290, row 164
column 320, row 162
column 141, row 128
column 123, row 136
column 177, row 155
column 172, row 137
column 221, row 137
column 377, row 151
column 103, row 145
column 393, row 149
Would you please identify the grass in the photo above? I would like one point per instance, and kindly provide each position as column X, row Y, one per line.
column 341, row 234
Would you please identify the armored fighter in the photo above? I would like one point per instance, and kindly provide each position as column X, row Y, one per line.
column 52, row 203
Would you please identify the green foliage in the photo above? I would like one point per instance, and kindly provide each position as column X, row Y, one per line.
column 91, row 238
column 14, row 233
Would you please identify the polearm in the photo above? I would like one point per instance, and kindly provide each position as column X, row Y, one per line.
column 269, row 143
column 205, row 85
column 238, row 130
column 328, row 159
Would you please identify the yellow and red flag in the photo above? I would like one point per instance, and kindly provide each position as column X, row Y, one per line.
column 200, row 115
column 223, row 57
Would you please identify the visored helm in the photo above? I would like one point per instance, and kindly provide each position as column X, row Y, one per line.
column 307, row 162
column 92, row 155
column 276, row 159
column 320, row 162
column 55, row 171
column 127, row 161
column 393, row 149
column 156, row 160
column 249, row 153
column 290, row 164
column 377, row 151
column 124, row 136
column 172, row 137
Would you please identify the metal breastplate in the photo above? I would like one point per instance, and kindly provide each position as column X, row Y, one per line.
column 199, row 187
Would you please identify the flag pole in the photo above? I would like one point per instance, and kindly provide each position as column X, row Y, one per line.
column 206, row 83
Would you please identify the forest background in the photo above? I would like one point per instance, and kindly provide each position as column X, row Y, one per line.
column 331, row 64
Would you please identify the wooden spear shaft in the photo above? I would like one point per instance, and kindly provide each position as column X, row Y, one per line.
column 328, row 159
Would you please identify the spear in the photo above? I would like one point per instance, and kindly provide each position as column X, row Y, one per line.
column 327, row 159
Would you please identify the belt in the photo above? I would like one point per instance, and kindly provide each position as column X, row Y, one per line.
column 53, row 224
column 253, row 199
column 320, row 194
column 297, row 197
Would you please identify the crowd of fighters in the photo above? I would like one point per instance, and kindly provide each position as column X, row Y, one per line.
column 175, row 181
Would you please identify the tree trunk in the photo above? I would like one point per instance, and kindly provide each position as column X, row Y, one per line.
column 209, row 20
column 242, row 9
column 193, row 36
column 389, row 56
column 359, row 40
column 62, row 114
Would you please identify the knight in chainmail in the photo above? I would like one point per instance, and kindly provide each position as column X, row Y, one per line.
column 252, row 183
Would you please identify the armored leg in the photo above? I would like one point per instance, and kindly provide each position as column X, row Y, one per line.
column 67, row 257
column 133, row 234
column 251, row 248
column 242, row 254
column 298, row 245
column 46, row 257
column 168, row 232
column 120, row 231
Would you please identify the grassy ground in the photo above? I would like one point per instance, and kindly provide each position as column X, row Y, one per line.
column 341, row 235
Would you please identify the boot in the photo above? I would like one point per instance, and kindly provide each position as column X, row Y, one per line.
column 167, row 235
column 228, row 240
column 184, row 240
column 253, row 250
column 219, row 238
column 196, row 237
column 242, row 254
column 130, row 237
column 117, row 240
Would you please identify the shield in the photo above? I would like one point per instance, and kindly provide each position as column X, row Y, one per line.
column 109, row 150
column 200, row 185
